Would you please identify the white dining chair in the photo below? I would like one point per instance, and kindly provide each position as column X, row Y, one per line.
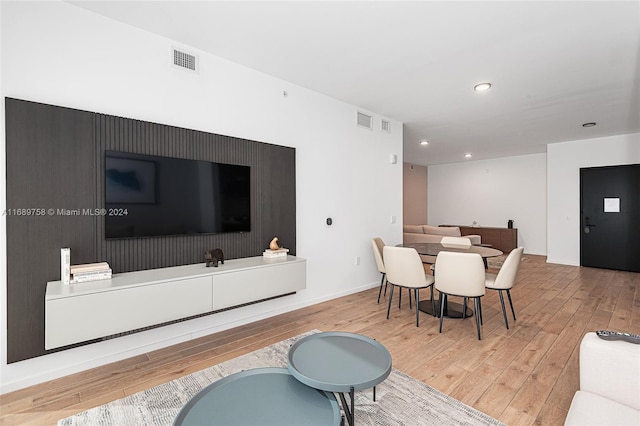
column 460, row 274
column 456, row 242
column 405, row 270
column 453, row 242
column 504, row 280
column 378, row 245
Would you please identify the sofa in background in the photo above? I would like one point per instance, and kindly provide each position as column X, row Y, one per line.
column 609, row 391
column 433, row 234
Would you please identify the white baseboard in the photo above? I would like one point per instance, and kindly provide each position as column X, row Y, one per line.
column 563, row 261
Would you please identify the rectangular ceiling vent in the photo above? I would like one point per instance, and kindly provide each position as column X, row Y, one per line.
column 185, row 60
column 365, row 120
column 385, row 126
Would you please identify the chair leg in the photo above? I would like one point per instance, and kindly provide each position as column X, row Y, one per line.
column 504, row 311
column 433, row 302
column 381, row 285
column 478, row 315
column 409, row 290
column 417, row 310
column 511, row 303
column 390, row 297
column 464, row 307
column 480, row 306
column 443, row 299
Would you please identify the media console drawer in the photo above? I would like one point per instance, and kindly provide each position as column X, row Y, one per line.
column 77, row 319
column 257, row 284
column 129, row 301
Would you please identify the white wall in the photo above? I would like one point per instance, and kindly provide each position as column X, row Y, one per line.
column 564, row 161
column 55, row 53
column 491, row 192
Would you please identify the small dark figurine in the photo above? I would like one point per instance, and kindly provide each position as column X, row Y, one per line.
column 212, row 257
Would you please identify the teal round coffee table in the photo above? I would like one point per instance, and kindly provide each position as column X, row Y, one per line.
column 260, row 396
column 339, row 362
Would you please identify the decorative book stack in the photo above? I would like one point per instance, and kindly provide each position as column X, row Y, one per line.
column 65, row 265
column 90, row 272
column 277, row 254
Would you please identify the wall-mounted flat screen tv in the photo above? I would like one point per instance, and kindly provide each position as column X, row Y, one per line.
column 148, row 195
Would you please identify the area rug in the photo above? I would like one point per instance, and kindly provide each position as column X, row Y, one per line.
column 400, row 399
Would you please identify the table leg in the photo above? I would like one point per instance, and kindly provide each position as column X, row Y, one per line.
column 349, row 410
column 352, row 392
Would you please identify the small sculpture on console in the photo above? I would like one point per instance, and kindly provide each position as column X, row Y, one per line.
column 275, row 251
column 273, row 245
column 212, row 257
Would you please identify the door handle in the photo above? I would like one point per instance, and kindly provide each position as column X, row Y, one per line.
column 587, row 225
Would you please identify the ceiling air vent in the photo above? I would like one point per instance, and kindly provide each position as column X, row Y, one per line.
column 385, row 126
column 364, row 120
column 185, row 60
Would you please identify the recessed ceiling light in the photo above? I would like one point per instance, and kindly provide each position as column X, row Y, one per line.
column 482, row 86
column 468, row 155
column 424, row 142
column 589, row 124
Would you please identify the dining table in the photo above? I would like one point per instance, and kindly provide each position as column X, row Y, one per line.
column 451, row 309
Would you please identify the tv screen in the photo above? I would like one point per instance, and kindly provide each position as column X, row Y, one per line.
column 147, row 195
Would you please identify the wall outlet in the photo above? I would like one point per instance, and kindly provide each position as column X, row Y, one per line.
column 357, row 260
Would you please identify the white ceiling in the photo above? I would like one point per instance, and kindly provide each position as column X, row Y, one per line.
column 553, row 65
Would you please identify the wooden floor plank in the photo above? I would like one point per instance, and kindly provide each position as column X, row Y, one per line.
column 524, row 375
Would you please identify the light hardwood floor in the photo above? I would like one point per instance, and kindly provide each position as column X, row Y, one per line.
column 525, row 375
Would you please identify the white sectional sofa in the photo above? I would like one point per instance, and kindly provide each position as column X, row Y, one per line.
column 609, row 391
column 433, row 234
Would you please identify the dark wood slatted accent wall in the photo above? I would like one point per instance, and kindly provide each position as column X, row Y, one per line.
column 49, row 152
column 49, row 144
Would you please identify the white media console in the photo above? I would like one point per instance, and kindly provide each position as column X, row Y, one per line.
column 129, row 301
